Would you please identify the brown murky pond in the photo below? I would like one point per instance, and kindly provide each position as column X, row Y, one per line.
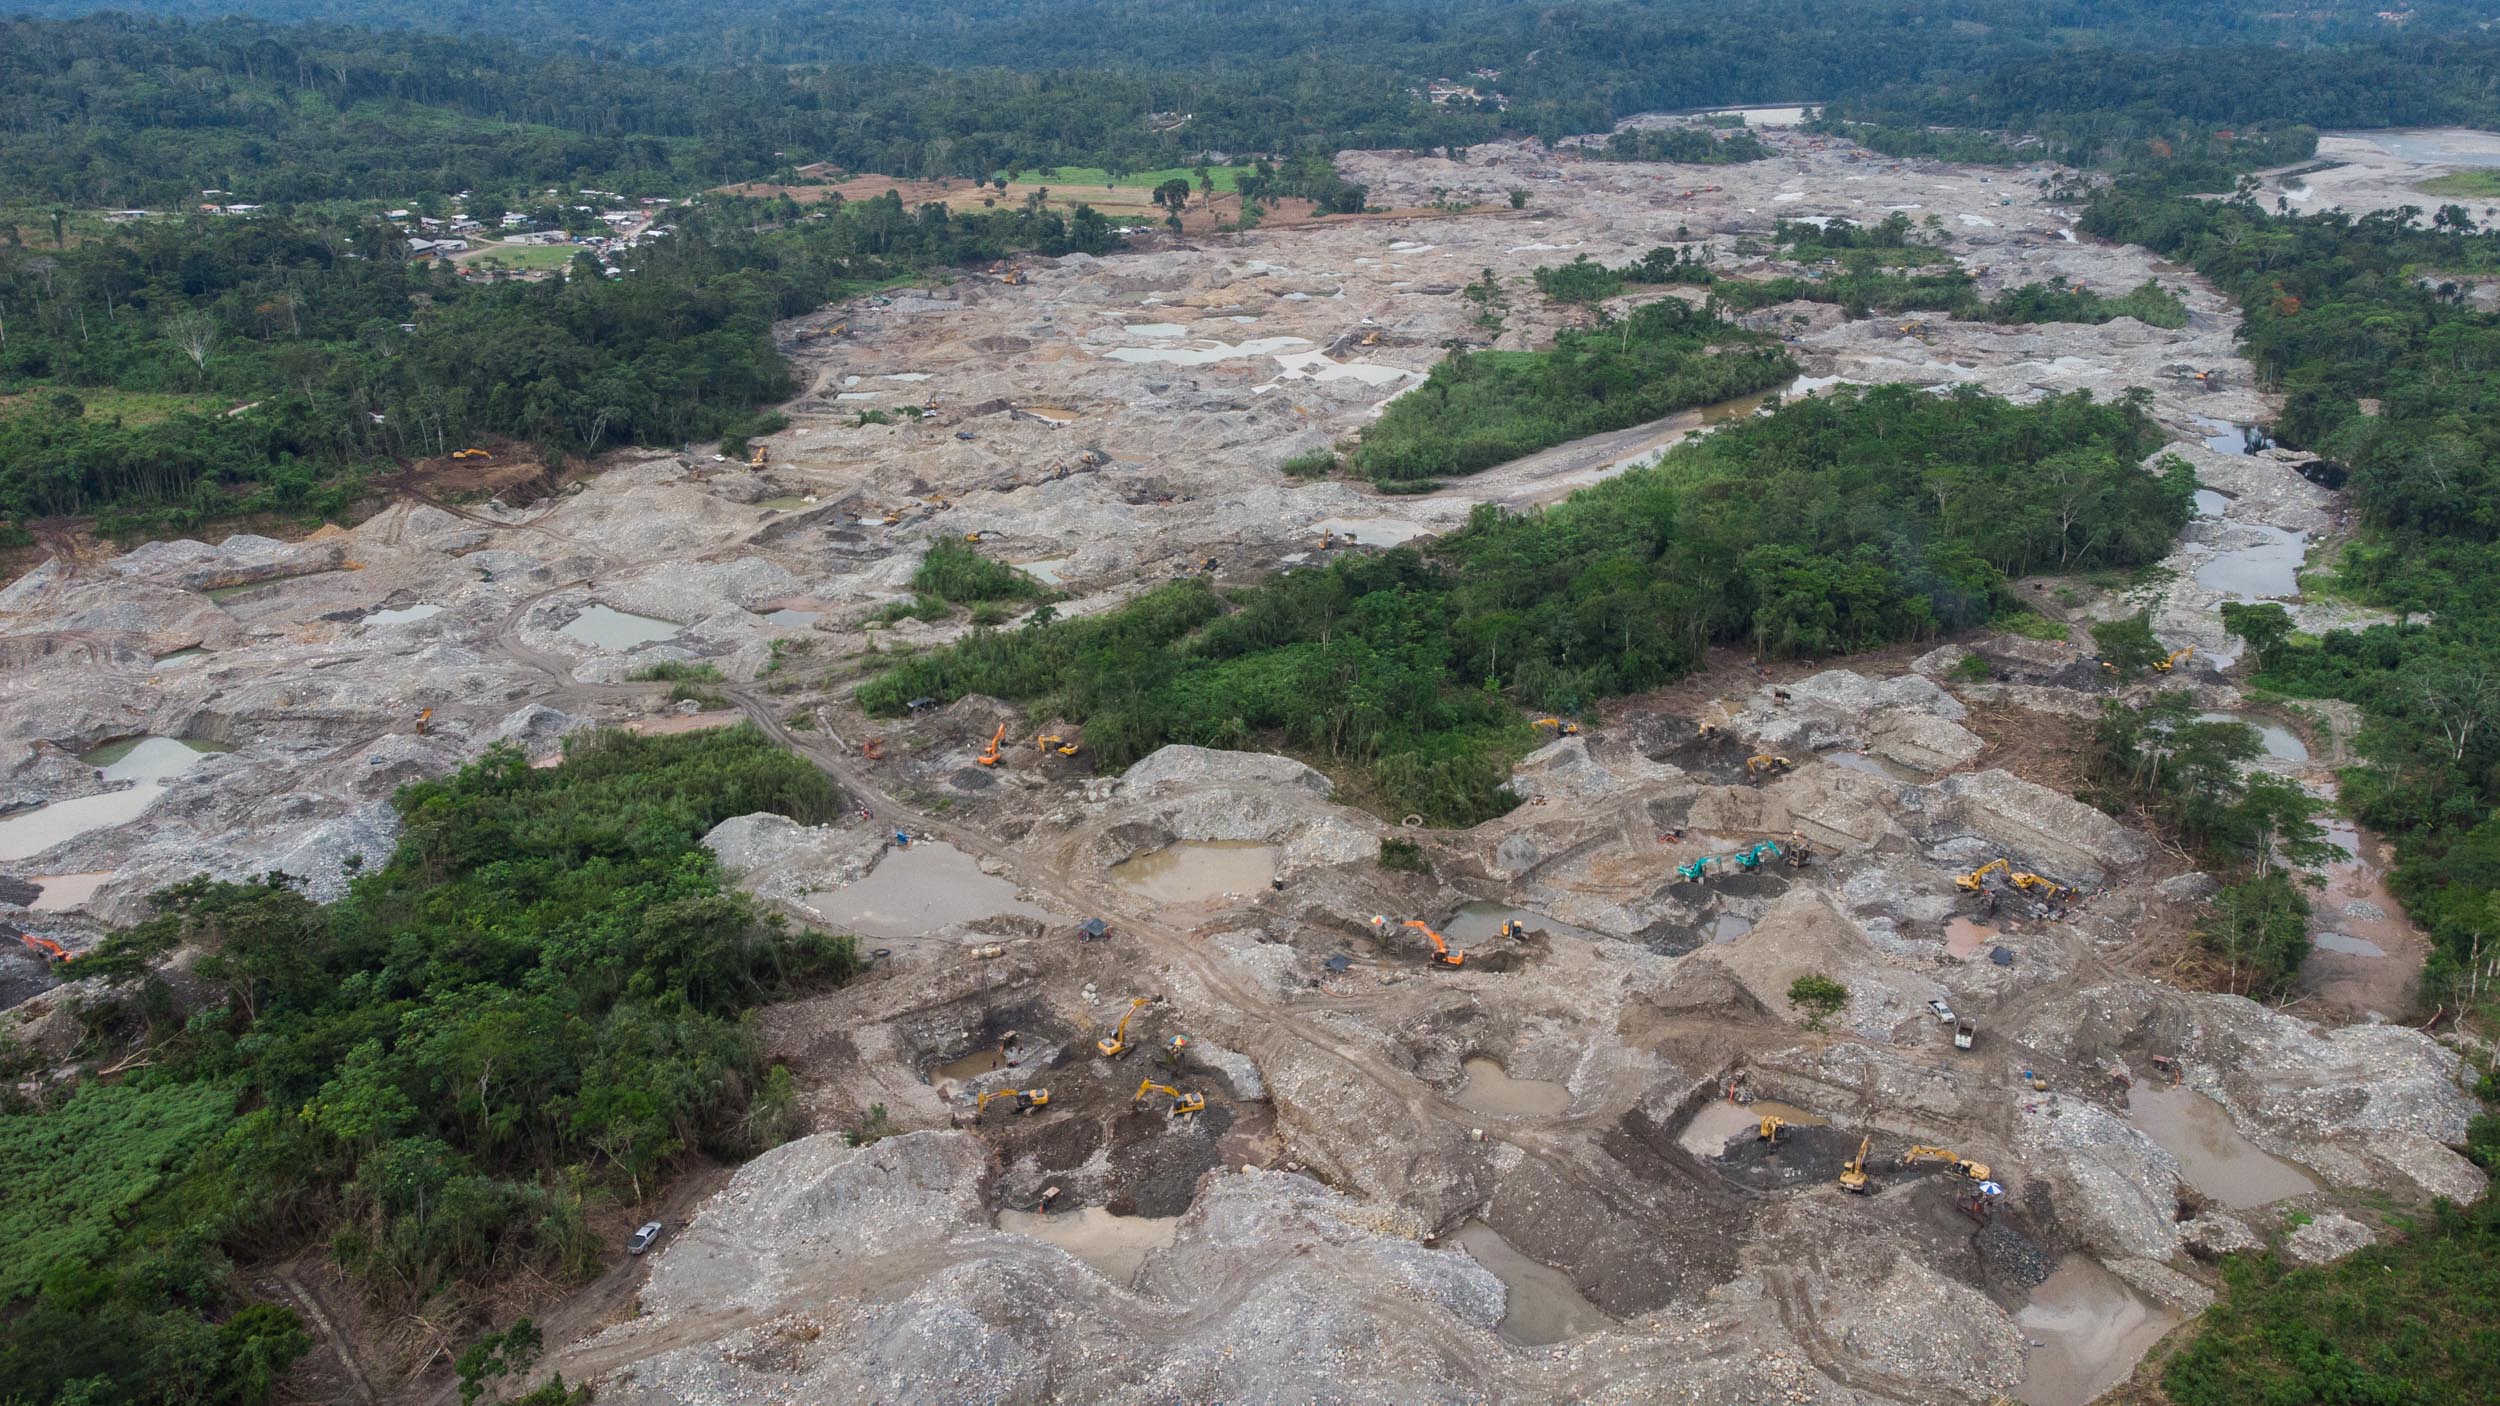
column 1193, row 871
column 1719, row 1123
column 1116, row 1245
column 2091, row 1328
column 1490, row 1089
column 2212, row 1154
column 918, row 890
column 1543, row 1306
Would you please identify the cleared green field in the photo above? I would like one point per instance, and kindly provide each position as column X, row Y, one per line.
column 105, row 402
column 522, row 257
column 1082, row 178
column 2467, row 185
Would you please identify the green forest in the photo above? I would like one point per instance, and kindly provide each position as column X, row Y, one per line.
column 533, row 1009
column 1482, row 408
column 353, row 360
column 1838, row 523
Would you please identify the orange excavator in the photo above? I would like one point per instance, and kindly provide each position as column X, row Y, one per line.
column 46, row 948
column 424, row 720
column 1442, row 956
column 990, row 757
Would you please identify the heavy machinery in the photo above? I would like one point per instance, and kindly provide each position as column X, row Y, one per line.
column 1853, row 1177
column 1514, row 929
column 464, row 455
column 424, row 720
column 2177, row 658
column 1772, row 1126
column 2049, row 890
column 1562, row 728
column 990, row 757
column 1051, row 740
column 1695, row 871
column 1117, row 1044
column 1766, row 764
column 46, row 948
column 1442, row 956
column 1954, row 1162
column 1026, row 1100
column 1750, row 859
column 758, row 459
column 1181, row 1102
column 1977, row 879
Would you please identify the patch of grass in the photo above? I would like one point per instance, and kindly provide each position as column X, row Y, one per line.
column 2464, row 185
column 108, row 403
column 953, row 571
column 1319, row 463
column 2031, row 626
column 522, row 258
column 677, row 671
column 924, row 608
column 1076, row 180
column 1403, row 857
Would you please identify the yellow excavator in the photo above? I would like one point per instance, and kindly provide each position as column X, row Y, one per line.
column 1976, row 879
column 1442, row 956
column 1561, row 727
column 1026, row 1100
column 758, row 459
column 1853, row 1177
column 1117, row 1044
column 1772, row 1126
column 1766, row 764
column 1955, row 1163
column 1049, row 740
column 1181, row 1102
column 2042, row 888
column 2177, row 658
column 990, row 757
column 464, row 455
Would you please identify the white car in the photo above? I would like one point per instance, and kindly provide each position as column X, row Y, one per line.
column 643, row 1238
column 1944, row 1013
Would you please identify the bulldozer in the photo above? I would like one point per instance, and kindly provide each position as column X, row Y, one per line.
column 1442, row 956
column 1562, row 728
column 1181, row 1102
column 1026, row 1100
column 990, row 757
column 1766, row 764
column 1853, row 1177
column 1117, row 1043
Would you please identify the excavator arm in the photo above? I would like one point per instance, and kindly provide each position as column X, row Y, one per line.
column 1118, row 1043
column 1441, row 953
column 1972, row 881
column 1960, row 1165
column 990, row 757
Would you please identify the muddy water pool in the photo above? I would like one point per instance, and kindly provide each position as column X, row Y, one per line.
column 1543, row 1306
column 610, row 628
column 1477, row 923
column 149, row 762
column 1490, row 1089
column 1116, row 1245
column 2281, row 743
column 1720, row 1122
column 1194, row 871
column 2213, row 1156
column 2091, row 1328
column 2266, row 570
column 916, row 891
